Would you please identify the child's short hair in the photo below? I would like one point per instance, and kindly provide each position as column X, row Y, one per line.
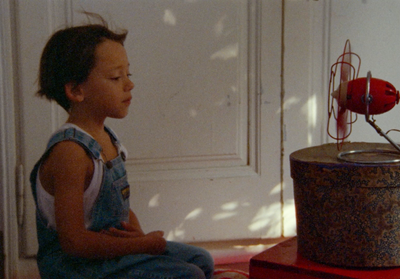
column 69, row 56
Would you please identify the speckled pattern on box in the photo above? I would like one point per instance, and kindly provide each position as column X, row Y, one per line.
column 348, row 214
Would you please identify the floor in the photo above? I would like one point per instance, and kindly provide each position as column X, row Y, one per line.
column 236, row 254
column 237, row 266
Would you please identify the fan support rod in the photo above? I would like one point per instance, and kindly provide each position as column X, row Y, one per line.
column 380, row 132
column 368, row 100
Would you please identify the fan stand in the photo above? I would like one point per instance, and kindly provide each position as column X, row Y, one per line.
column 375, row 156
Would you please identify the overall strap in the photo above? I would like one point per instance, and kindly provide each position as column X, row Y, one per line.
column 87, row 142
column 112, row 134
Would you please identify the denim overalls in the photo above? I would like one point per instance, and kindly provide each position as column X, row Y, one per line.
column 110, row 209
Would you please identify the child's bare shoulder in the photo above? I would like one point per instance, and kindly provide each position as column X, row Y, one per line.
column 68, row 152
column 66, row 160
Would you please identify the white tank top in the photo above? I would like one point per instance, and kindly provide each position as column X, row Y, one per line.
column 46, row 201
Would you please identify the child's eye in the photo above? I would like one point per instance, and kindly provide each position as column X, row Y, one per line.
column 119, row 77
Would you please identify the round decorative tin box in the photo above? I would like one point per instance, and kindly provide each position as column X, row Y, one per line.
column 348, row 214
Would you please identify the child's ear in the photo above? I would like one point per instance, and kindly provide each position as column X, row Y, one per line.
column 74, row 92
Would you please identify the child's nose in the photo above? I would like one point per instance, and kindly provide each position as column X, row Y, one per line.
column 129, row 85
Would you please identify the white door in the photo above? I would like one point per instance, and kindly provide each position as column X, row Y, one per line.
column 203, row 139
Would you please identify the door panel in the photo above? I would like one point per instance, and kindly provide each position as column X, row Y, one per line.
column 191, row 103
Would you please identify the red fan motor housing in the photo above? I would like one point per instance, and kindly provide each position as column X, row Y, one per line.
column 383, row 95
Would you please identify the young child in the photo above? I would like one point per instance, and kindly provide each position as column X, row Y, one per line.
column 85, row 226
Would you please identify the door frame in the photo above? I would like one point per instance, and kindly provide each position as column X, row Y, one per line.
column 8, row 157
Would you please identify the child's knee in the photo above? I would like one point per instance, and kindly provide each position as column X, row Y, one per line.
column 206, row 262
column 196, row 272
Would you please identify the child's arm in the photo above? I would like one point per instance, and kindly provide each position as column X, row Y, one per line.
column 70, row 168
column 131, row 229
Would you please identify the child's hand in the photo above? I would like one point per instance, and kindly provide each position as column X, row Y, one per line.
column 129, row 231
column 156, row 234
column 157, row 242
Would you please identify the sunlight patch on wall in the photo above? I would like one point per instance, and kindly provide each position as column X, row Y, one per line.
column 179, row 232
column 276, row 190
column 310, row 111
column 228, row 52
column 267, row 217
column 289, row 217
column 289, row 103
column 219, row 26
column 230, row 206
column 194, row 214
column 229, row 210
column 223, row 215
column 155, row 201
column 176, row 234
column 169, row 17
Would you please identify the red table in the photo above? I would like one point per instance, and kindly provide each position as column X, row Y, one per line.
column 283, row 262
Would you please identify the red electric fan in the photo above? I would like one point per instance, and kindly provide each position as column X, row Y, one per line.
column 368, row 96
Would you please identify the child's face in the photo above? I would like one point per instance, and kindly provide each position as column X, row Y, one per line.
column 107, row 91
